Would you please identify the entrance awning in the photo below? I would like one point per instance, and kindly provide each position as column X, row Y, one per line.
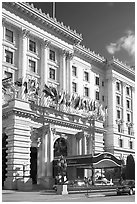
column 102, row 160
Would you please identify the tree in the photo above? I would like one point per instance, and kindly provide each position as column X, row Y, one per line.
column 130, row 167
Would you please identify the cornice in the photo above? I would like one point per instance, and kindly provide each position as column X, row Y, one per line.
column 81, row 49
column 40, row 119
column 122, row 66
column 37, row 14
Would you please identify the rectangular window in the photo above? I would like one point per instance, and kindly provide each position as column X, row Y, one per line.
column 86, row 76
column 74, row 87
column 32, row 46
column 86, row 91
column 9, row 35
column 118, row 86
column 74, row 71
column 52, row 55
column 32, row 65
column 119, row 128
column 118, row 114
column 130, row 144
column 128, row 104
column 129, row 130
column 52, row 73
column 102, row 83
column 118, row 100
column 9, row 56
column 97, row 95
column 103, row 98
column 120, row 142
column 128, row 117
column 97, row 80
column 127, row 91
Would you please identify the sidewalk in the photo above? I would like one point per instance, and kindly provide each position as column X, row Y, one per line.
column 45, row 196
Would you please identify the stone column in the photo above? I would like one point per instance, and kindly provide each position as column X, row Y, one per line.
column 23, row 64
column 63, row 72
column 69, row 73
column 44, row 68
column 22, row 53
column 44, row 62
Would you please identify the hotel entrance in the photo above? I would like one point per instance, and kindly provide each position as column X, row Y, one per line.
column 78, row 165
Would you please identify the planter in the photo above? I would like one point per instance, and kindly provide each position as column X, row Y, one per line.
column 62, row 189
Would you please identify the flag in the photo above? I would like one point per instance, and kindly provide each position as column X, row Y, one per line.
column 77, row 100
column 47, row 91
column 61, row 97
column 26, row 87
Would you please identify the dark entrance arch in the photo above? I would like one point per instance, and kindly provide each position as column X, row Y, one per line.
column 33, row 164
column 4, row 155
column 60, row 147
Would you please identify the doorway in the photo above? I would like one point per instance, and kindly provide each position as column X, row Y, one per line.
column 33, row 164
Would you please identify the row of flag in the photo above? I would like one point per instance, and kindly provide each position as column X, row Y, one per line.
column 31, row 87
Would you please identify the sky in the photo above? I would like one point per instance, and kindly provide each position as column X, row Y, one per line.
column 108, row 28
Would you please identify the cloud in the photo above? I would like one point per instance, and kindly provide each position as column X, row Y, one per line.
column 126, row 43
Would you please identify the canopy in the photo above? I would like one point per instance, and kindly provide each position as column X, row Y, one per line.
column 102, row 160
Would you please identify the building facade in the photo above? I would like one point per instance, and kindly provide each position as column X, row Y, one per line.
column 59, row 98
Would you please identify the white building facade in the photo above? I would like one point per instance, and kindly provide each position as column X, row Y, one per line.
column 57, row 91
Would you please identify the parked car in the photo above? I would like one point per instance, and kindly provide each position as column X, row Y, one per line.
column 79, row 183
column 103, row 181
column 126, row 187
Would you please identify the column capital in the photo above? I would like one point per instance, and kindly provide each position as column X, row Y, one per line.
column 3, row 21
column 46, row 42
column 114, row 79
column 25, row 33
column 70, row 55
column 124, row 84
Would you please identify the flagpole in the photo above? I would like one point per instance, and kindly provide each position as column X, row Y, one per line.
column 53, row 9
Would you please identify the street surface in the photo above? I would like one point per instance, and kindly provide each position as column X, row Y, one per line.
column 43, row 196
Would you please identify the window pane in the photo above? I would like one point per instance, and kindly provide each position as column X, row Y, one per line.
column 97, row 95
column 9, row 56
column 127, row 90
column 128, row 117
column 86, row 78
column 52, row 55
column 97, row 80
column 118, row 86
column 32, row 46
column 128, row 104
column 86, row 91
column 74, row 87
column 32, row 65
column 52, row 73
column 9, row 35
column 74, row 71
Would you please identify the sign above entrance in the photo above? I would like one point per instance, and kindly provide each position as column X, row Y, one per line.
column 103, row 160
